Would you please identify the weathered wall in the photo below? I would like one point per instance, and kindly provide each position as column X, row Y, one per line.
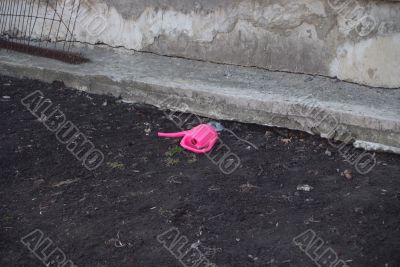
column 353, row 40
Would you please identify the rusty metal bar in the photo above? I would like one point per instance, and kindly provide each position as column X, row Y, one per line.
column 29, row 25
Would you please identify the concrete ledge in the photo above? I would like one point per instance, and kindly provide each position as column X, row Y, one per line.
column 369, row 117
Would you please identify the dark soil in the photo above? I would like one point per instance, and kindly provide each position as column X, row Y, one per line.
column 113, row 215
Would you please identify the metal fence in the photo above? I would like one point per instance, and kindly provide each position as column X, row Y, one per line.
column 40, row 27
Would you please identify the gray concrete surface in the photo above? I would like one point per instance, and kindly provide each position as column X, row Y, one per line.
column 324, row 37
column 324, row 106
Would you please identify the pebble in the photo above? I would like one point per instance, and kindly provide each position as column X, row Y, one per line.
column 304, row 187
column 252, row 257
column 268, row 134
column 348, row 174
column 328, row 153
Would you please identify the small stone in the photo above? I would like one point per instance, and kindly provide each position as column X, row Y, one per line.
column 348, row 174
column 147, row 130
column 286, row 141
column 328, row 153
column 359, row 210
column 252, row 257
column 268, row 134
column 304, row 187
column 6, row 97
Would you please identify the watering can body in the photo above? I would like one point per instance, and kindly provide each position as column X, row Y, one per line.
column 200, row 139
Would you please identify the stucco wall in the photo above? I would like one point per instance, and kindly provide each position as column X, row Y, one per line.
column 353, row 40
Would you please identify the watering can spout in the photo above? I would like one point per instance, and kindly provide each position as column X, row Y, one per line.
column 172, row 135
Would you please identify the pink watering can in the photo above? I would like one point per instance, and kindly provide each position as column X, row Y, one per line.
column 200, row 139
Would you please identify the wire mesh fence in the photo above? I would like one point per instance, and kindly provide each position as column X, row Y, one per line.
column 40, row 27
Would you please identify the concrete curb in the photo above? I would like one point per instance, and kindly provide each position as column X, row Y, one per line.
column 369, row 117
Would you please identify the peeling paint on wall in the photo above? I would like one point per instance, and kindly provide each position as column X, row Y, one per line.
column 375, row 61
